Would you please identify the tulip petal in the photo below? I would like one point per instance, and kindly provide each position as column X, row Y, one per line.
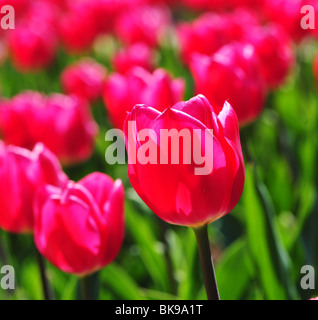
column 229, row 122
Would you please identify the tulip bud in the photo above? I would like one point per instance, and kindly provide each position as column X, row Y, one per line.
column 136, row 55
column 233, row 74
column 32, row 46
column 122, row 92
column 80, row 228
column 63, row 123
column 287, row 14
column 171, row 186
column 22, row 173
column 77, row 28
column 145, row 24
column 274, row 50
column 84, row 79
column 211, row 31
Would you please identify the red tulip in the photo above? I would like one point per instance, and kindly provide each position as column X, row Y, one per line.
column 84, row 79
column 136, row 55
column 80, row 228
column 274, row 50
column 46, row 10
column 105, row 12
column 62, row 4
column 233, row 74
column 287, row 14
column 222, row 5
column 122, row 92
column 63, row 123
column 211, row 31
column 20, row 6
column 32, row 45
column 78, row 28
column 22, row 172
column 143, row 24
column 173, row 189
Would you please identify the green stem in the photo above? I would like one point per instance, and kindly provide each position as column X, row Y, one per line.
column 47, row 292
column 164, row 230
column 207, row 263
column 3, row 254
column 85, row 287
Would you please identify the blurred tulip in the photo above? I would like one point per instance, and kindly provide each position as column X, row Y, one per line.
column 274, row 49
column 122, row 92
column 20, row 7
column 77, row 28
column 105, row 12
column 136, row 55
column 143, row 24
column 85, row 79
column 22, row 172
column 233, row 74
column 211, row 31
column 180, row 196
column 63, row 123
column 80, row 228
column 32, row 45
column 287, row 14
column 222, row 5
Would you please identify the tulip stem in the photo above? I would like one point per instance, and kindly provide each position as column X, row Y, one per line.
column 47, row 291
column 3, row 255
column 85, row 287
column 207, row 263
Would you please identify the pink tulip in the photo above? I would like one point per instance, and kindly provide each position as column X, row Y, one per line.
column 211, row 31
column 20, row 7
column 105, row 12
column 22, row 172
column 287, row 14
column 32, row 45
column 136, row 55
column 274, row 49
column 63, row 123
column 146, row 24
column 77, row 28
column 80, row 228
column 122, row 92
column 233, row 74
column 85, row 79
column 174, row 191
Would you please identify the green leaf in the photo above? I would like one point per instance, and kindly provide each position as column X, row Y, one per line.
column 116, row 279
column 234, row 271
column 270, row 256
column 183, row 252
column 151, row 250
